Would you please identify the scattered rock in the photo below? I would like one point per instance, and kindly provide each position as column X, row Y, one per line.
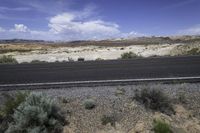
column 120, row 91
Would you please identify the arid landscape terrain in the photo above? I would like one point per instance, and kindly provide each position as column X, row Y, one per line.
column 140, row 108
column 27, row 51
column 99, row 66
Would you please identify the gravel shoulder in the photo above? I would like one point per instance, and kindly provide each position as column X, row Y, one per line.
column 130, row 116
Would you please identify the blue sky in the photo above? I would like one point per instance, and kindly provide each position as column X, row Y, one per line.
column 97, row 19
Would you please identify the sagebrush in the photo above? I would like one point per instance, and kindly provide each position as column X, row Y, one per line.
column 108, row 118
column 7, row 59
column 160, row 126
column 154, row 99
column 12, row 101
column 38, row 114
column 129, row 55
column 89, row 104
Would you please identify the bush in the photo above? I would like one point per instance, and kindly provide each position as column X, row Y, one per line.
column 193, row 51
column 12, row 102
column 89, row 104
column 108, row 119
column 38, row 114
column 161, row 127
column 8, row 108
column 155, row 100
column 128, row 55
column 6, row 59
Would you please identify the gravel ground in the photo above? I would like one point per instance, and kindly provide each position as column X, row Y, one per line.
column 118, row 101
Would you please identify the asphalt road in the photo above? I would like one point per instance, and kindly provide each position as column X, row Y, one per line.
column 101, row 70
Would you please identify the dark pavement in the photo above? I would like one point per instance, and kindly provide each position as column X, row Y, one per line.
column 163, row 67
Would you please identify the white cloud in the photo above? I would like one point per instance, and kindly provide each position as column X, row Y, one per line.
column 68, row 24
column 20, row 28
column 195, row 30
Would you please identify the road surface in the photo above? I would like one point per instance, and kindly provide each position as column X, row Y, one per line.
column 164, row 67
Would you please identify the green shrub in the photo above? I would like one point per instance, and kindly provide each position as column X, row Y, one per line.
column 154, row 99
column 12, row 102
column 109, row 118
column 161, row 127
column 10, row 105
column 6, row 59
column 193, row 51
column 38, row 114
column 3, row 51
column 89, row 104
column 129, row 55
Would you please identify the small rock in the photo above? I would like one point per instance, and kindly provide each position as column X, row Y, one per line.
column 120, row 91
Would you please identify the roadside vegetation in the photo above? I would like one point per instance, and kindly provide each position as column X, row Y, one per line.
column 160, row 126
column 108, row 119
column 129, row 55
column 154, row 99
column 89, row 104
column 7, row 59
column 37, row 62
column 3, row 51
column 193, row 51
column 31, row 113
column 12, row 101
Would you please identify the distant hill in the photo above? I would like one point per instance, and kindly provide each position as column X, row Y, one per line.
column 112, row 42
column 23, row 41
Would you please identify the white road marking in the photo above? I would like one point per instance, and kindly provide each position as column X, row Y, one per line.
column 101, row 81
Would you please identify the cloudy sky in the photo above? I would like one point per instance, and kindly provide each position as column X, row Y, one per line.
column 97, row 19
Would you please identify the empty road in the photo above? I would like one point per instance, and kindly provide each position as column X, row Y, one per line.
column 101, row 70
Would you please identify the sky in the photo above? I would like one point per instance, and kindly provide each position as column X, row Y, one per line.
column 97, row 19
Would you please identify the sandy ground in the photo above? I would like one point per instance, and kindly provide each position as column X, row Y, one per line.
column 28, row 53
column 131, row 116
